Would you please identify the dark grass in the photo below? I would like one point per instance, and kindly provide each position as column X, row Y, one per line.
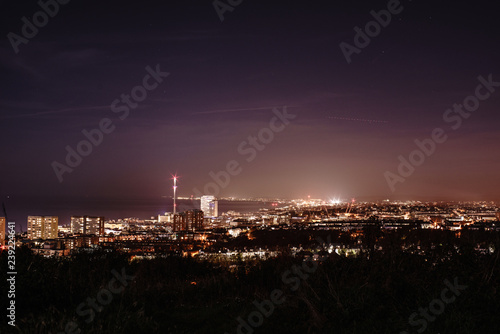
column 367, row 294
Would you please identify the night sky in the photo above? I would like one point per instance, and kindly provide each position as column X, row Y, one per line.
column 352, row 120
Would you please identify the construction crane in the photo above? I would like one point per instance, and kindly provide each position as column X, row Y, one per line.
column 5, row 212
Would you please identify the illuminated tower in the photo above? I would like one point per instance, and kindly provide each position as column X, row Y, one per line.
column 175, row 190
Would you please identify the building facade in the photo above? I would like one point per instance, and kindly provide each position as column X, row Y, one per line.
column 166, row 218
column 2, row 230
column 188, row 221
column 209, row 205
column 87, row 225
column 42, row 227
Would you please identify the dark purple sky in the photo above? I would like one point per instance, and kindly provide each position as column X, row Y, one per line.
column 263, row 55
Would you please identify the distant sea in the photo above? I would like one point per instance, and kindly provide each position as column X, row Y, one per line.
column 20, row 207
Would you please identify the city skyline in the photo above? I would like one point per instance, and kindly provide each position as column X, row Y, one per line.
column 232, row 166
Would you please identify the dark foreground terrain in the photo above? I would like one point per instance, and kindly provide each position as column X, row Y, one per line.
column 449, row 290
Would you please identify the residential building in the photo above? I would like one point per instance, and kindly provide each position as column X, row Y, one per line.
column 42, row 227
column 188, row 221
column 3, row 226
column 87, row 225
column 209, row 206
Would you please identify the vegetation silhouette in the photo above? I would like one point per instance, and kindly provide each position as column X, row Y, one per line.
column 396, row 273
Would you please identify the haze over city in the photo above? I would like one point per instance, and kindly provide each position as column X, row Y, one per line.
column 352, row 120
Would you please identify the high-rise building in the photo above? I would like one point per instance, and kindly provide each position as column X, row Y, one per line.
column 166, row 218
column 42, row 227
column 87, row 225
column 209, row 206
column 2, row 231
column 188, row 221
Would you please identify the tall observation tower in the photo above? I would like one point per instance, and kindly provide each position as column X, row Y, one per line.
column 175, row 190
